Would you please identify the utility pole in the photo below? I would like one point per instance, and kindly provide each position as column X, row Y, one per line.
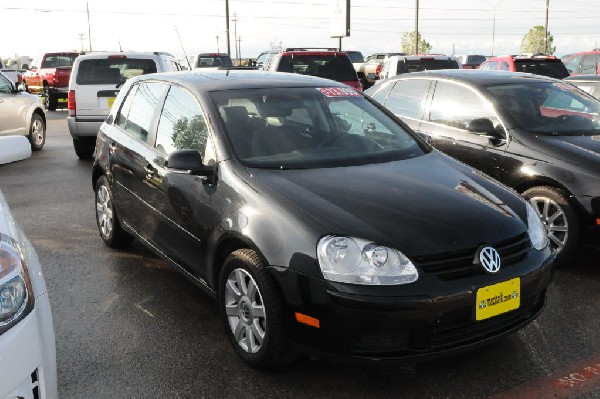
column 239, row 43
column 416, row 26
column 218, row 51
column 87, row 3
column 227, row 26
column 235, row 19
column 81, row 36
column 546, row 28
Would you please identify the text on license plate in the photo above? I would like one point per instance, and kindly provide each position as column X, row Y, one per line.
column 497, row 299
column 110, row 101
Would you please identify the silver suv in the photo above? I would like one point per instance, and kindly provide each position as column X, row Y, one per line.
column 96, row 79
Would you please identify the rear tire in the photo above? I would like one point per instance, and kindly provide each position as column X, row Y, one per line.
column 84, row 147
column 252, row 309
column 50, row 99
column 37, row 132
column 107, row 220
column 560, row 218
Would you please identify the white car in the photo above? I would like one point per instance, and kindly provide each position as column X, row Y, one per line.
column 399, row 64
column 21, row 114
column 27, row 348
column 96, row 79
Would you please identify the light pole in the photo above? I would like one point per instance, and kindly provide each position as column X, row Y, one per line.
column 235, row 19
column 494, row 25
column 227, row 26
column 546, row 28
column 89, row 28
column 417, row 27
column 218, row 51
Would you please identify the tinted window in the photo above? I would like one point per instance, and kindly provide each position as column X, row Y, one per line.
column 549, row 108
column 355, row 56
column 324, row 66
column 475, row 59
column 112, row 70
column 552, row 68
column 310, row 128
column 405, row 66
column 140, row 109
column 407, row 97
column 59, row 60
column 182, row 124
column 455, row 105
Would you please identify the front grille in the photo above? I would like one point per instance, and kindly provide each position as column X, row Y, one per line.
column 460, row 264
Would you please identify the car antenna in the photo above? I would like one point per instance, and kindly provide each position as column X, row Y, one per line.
column 120, row 48
column 181, row 44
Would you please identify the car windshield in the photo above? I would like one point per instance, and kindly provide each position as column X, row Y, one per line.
column 334, row 67
column 553, row 108
column 112, row 70
column 551, row 68
column 206, row 61
column 310, row 128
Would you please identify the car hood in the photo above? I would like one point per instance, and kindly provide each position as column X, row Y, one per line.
column 425, row 205
column 584, row 150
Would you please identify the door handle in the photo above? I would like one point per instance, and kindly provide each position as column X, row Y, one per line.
column 113, row 148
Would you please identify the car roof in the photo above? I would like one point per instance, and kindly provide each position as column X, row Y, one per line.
column 584, row 78
column 476, row 76
column 232, row 79
column 104, row 54
column 422, row 56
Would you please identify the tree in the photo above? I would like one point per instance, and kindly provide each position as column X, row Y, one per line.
column 408, row 43
column 533, row 41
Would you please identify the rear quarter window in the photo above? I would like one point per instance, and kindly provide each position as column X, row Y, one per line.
column 112, row 71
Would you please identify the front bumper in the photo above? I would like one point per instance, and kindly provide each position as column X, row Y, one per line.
column 425, row 319
column 28, row 354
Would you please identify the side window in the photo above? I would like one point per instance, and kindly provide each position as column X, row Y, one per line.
column 504, row 66
column 124, row 111
column 573, row 64
column 140, row 111
column 455, row 105
column 589, row 63
column 5, row 85
column 407, row 97
column 182, row 124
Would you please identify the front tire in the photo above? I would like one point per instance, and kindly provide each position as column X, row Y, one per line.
column 108, row 223
column 560, row 218
column 84, row 147
column 252, row 310
column 37, row 132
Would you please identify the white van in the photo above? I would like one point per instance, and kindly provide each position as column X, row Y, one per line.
column 96, row 79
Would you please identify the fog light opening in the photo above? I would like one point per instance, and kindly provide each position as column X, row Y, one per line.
column 309, row 321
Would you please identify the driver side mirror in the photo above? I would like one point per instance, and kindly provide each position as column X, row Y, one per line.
column 20, row 86
column 190, row 162
column 484, row 127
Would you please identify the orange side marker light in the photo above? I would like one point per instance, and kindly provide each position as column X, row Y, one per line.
column 309, row 321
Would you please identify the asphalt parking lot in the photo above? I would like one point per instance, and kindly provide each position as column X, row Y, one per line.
column 128, row 325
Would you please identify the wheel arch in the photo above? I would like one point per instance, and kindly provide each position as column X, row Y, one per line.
column 540, row 181
column 97, row 171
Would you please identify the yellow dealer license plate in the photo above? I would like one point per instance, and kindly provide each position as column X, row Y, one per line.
column 110, row 101
column 498, row 298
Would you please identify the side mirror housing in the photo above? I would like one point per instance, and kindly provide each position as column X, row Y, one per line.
column 20, row 86
column 190, row 161
column 485, row 128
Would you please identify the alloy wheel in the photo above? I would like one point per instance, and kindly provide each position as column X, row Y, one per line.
column 555, row 220
column 37, row 132
column 245, row 310
column 104, row 211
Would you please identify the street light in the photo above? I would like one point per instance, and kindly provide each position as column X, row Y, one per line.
column 494, row 25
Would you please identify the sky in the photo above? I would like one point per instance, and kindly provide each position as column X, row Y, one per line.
column 451, row 27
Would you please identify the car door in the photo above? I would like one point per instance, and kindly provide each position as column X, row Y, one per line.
column 183, row 202
column 407, row 100
column 128, row 153
column 13, row 109
column 453, row 106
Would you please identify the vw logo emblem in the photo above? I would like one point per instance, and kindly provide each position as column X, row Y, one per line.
column 490, row 259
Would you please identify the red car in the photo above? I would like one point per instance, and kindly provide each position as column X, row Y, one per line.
column 546, row 65
column 583, row 63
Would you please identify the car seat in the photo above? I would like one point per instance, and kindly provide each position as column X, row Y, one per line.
column 240, row 127
column 276, row 139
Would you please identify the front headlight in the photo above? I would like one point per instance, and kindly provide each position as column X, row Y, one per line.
column 537, row 231
column 16, row 299
column 357, row 261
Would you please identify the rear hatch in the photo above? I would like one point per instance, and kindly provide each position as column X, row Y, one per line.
column 426, row 64
column 552, row 67
column 98, row 81
column 324, row 64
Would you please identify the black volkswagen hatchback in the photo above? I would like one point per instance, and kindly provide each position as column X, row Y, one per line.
column 538, row 135
column 320, row 222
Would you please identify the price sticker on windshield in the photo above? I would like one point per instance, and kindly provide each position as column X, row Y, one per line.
column 339, row 92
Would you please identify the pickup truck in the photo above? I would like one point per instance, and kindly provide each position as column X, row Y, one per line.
column 49, row 76
column 368, row 71
column 12, row 74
